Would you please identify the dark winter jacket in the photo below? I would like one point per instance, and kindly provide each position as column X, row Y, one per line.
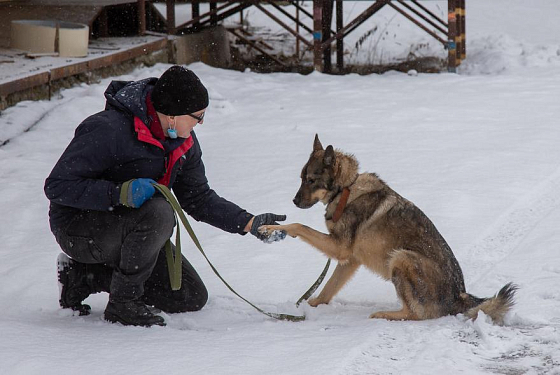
column 115, row 145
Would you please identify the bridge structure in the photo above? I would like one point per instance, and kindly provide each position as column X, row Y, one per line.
column 314, row 30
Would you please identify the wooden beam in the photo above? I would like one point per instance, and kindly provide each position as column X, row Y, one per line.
column 213, row 7
column 317, row 35
column 451, row 37
column 339, row 41
column 326, row 33
column 195, row 5
column 463, row 30
column 103, row 23
column 170, row 8
column 141, row 17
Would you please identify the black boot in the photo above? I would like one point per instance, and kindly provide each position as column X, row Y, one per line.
column 134, row 313
column 78, row 280
column 72, row 284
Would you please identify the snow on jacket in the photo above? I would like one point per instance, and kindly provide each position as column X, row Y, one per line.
column 115, row 145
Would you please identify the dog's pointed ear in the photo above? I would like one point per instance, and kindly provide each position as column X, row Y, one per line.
column 328, row 158
column 317, row 146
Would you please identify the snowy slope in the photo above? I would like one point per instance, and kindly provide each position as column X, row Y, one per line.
column 478, row 152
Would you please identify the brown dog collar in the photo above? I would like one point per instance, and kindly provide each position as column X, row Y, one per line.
column 341, row 205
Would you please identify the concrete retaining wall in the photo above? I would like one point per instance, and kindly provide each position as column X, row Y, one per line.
column 210, row 45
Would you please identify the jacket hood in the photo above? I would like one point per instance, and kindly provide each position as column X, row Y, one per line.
column 130, row 97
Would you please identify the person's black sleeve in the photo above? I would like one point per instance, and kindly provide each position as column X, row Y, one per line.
column 75, row 179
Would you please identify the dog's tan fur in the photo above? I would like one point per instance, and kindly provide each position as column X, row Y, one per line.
column 389, row 235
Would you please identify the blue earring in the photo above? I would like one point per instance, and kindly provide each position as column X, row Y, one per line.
column 172, row 133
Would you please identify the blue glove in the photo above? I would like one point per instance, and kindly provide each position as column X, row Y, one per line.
column 135, row 192
column 268, row 219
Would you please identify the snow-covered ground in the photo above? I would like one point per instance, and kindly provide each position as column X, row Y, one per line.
column 478, row 152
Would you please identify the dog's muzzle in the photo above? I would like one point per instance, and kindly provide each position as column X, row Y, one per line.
column 298, row 202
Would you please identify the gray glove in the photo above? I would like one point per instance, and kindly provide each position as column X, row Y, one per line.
column 268, row 219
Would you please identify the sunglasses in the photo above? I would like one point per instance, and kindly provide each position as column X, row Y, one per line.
column 197, row 118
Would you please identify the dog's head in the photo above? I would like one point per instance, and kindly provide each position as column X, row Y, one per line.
column 317, row 176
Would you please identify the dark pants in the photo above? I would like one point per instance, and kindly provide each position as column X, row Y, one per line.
column 124, row 252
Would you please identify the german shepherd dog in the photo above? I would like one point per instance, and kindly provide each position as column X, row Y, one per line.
column 370, row 224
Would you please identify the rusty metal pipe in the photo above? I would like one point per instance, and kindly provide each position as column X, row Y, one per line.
column 196, row 20
column 429, row 12
column 298, row 23
column 357, row 21
column 255, row 46
column 289, row 29
column 434, row 35
column 444, row 31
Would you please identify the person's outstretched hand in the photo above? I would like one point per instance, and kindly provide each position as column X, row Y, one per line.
column 134, row 193
column 268, row 219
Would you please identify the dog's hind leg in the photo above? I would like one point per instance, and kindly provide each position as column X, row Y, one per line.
column 404, row 314
column 339, row 278
column 416, row 281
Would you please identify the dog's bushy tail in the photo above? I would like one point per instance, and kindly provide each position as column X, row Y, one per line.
column 495, row 307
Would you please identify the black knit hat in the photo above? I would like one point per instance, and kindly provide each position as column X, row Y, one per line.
column 178, row 92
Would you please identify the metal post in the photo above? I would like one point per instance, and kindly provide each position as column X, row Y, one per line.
column 459, row 39
column 463, row 31
column 297, row 31
column 103, row 23
column 339, row 41
column 327, row 21
column 170, row 4
column 317, row 35
column 213, row 7
column 195, row 12
column 241, row 18
column 451, row 37
column 141, row 17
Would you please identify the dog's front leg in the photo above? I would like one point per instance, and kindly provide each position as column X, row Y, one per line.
column 339, row 278
column 324, row 242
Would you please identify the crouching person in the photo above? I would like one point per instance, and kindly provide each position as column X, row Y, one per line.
column 104, row 210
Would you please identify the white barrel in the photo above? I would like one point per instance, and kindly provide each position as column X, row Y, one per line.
column 40, row 36
column 73, row 39
column 33, row 36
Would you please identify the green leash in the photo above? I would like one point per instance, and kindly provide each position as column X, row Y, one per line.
column 174, row 261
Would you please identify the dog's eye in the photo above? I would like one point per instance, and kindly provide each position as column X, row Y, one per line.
column 310, row 181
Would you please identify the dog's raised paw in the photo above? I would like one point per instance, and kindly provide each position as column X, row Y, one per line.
column 274, row 236
column 265, row 230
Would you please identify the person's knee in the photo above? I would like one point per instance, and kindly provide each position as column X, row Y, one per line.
column 159, row 213
column 200, row 299
column 193, row 300
column 190, row 300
